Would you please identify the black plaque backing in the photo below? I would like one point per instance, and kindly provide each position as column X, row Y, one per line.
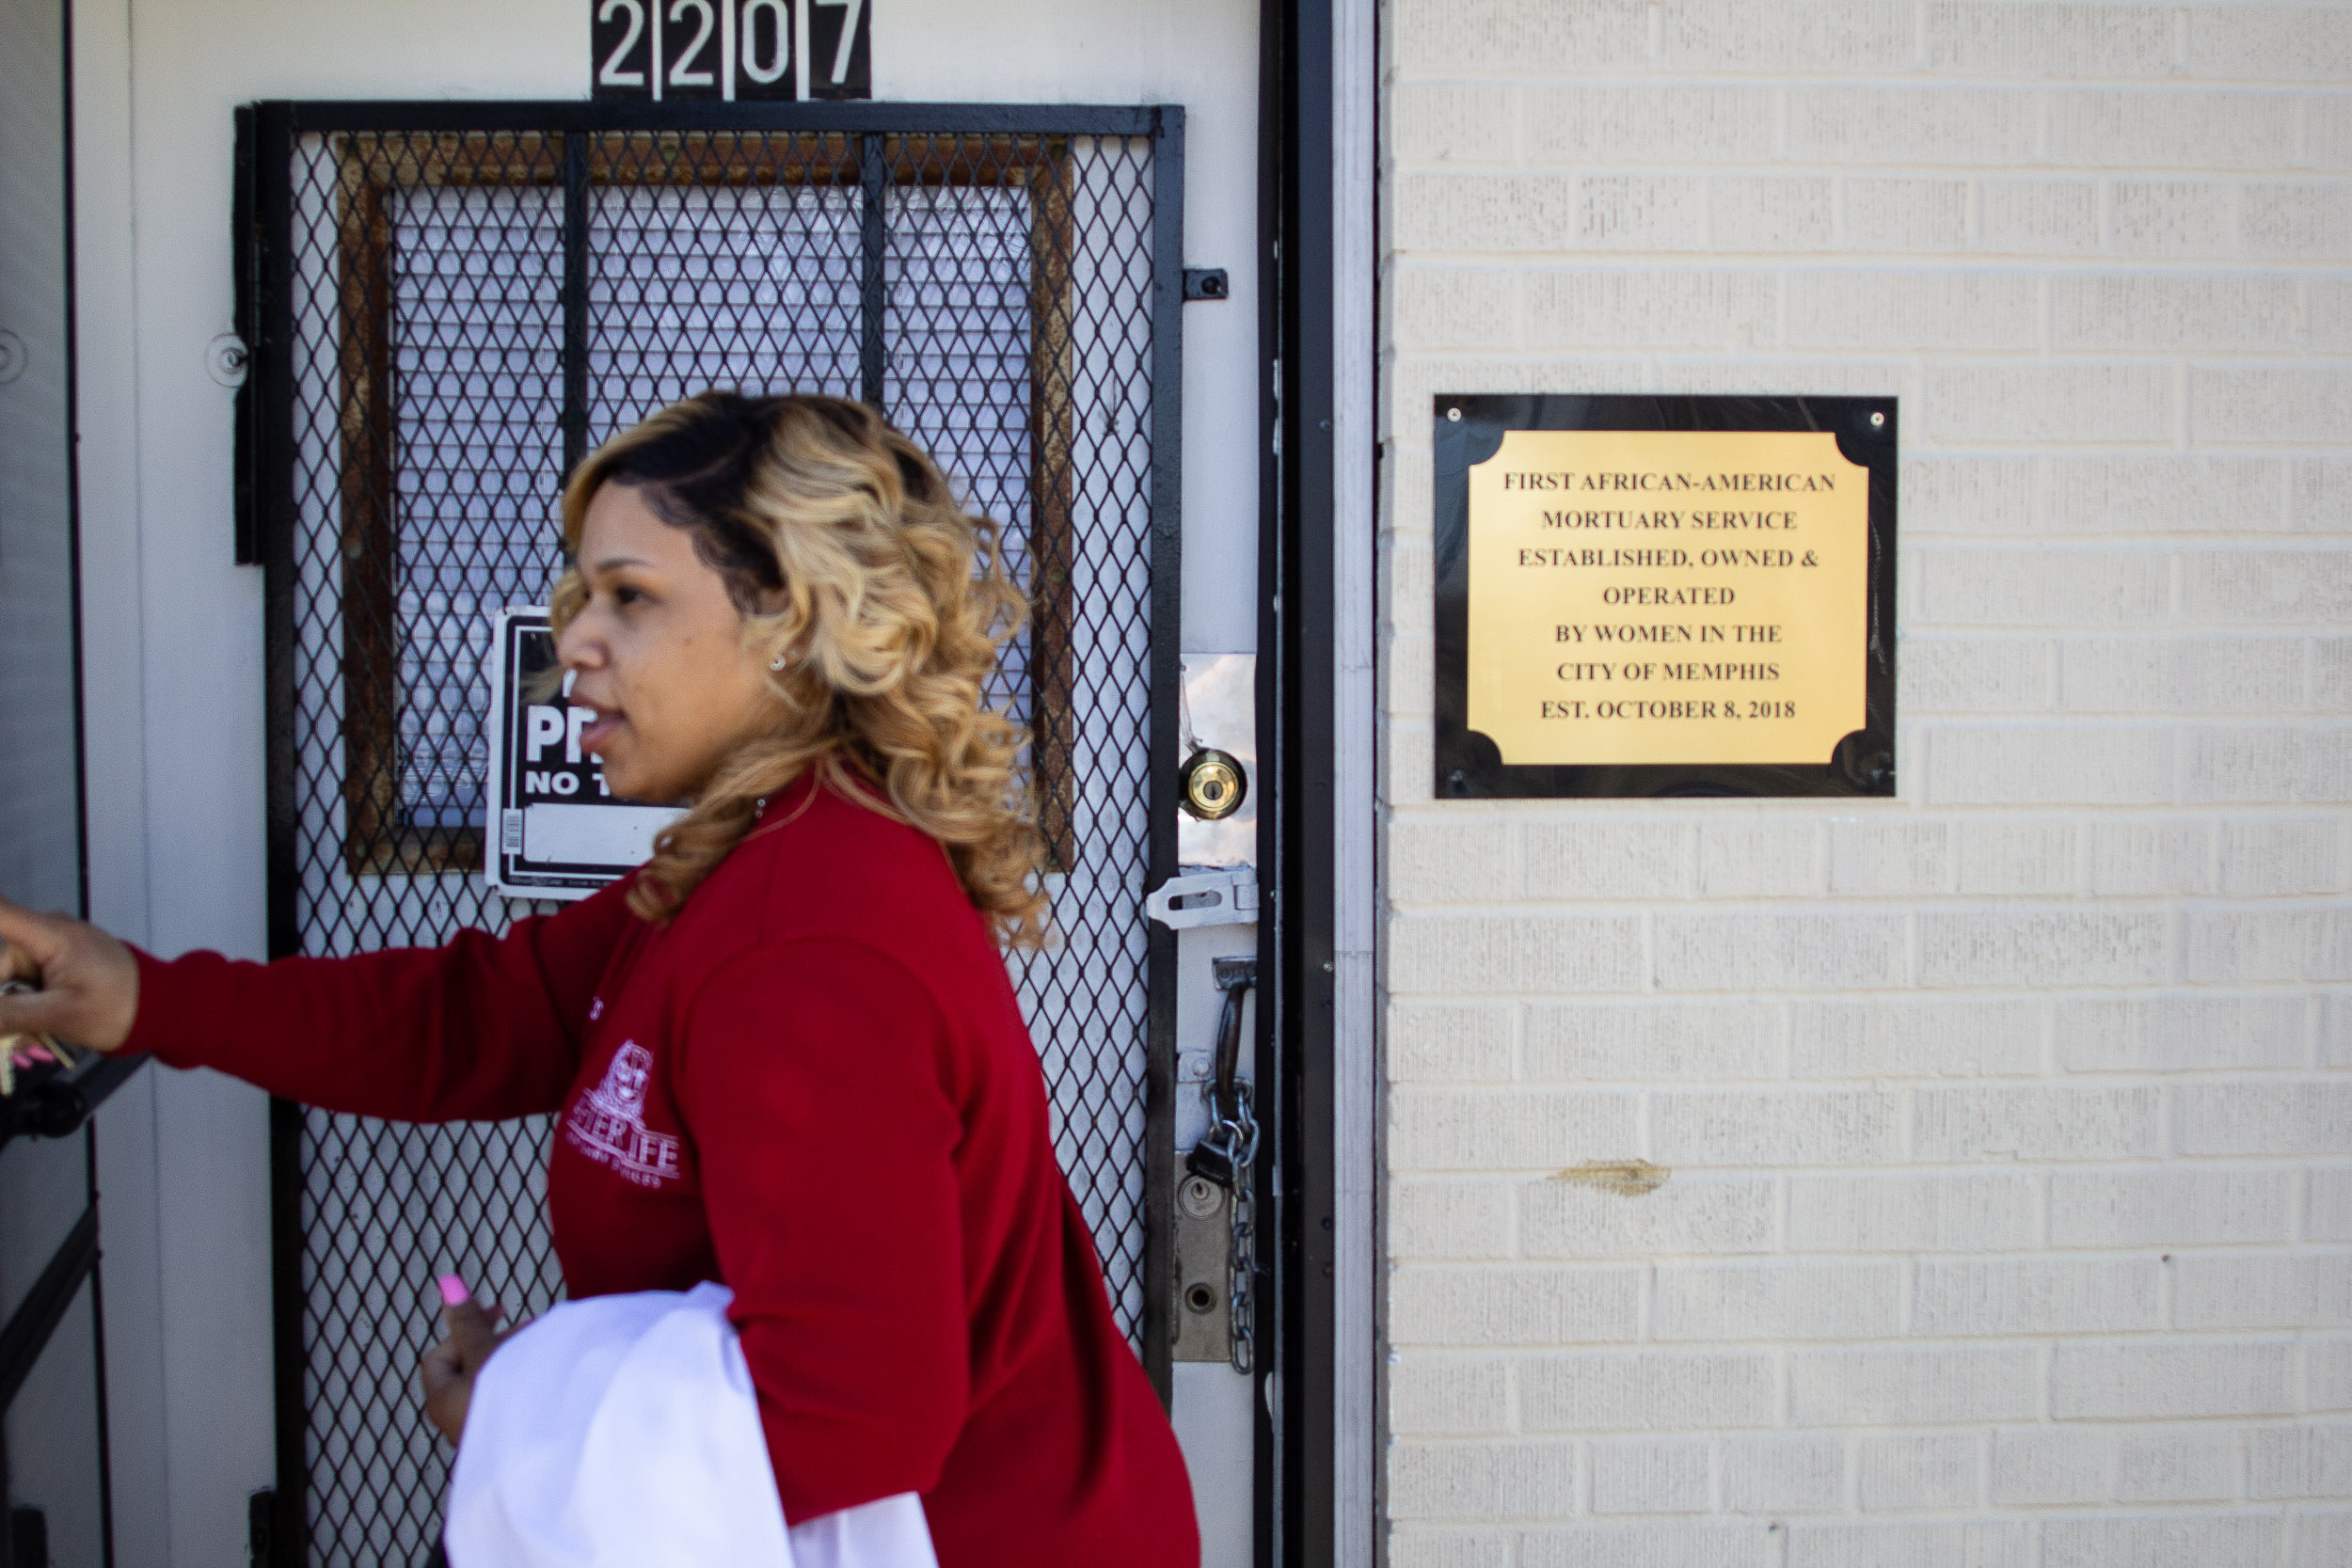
column 1470, row 429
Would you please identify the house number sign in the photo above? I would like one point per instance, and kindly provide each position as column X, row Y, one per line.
column 732, row 51
column 1665, row 595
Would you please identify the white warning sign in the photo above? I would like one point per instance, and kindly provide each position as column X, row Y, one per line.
column 555, row 830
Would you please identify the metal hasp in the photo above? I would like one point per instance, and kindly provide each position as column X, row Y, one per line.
column 1217, row 1204
column 1223, row 897
column 1202, row 1319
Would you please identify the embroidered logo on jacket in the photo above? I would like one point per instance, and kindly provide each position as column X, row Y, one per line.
column 607, row 1124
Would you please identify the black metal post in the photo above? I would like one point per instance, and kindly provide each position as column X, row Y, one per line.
column 1299, row 626
column 1166, row 677
column 250, row 463
column 1272, row 1469
column 1269, row 1469
column 885, row 118
column 574, row 300
column 290, row 1532
column 270, row 391
column 873, row 299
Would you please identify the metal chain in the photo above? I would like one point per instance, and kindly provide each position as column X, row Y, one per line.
column 1229, row 1155
column 1241, row 1251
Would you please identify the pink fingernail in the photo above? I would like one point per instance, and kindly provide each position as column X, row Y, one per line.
column 453, row 1291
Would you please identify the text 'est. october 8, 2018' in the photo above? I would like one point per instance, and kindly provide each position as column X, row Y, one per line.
column 1677, row 597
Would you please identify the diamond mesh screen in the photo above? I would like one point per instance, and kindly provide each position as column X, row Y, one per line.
column 468, row 310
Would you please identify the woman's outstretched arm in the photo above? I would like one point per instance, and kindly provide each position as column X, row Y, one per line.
column 485, row 1027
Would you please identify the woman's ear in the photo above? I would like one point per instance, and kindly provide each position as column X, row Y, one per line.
column 776, row 652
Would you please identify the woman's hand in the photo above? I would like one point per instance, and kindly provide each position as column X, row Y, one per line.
column 448, row 1369
column 89, row 982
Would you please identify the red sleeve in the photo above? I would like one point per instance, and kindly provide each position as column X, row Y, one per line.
column 815, row 1086
column 485, row 1028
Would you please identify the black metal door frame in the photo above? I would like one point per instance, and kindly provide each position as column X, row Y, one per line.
column 1298, row 681
column 266, row 520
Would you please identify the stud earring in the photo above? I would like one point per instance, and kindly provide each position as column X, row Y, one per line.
column 776, row 664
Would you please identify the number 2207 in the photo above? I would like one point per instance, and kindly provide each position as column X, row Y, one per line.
column 726, row 49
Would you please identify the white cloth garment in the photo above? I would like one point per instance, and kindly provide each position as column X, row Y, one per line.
column 622, row 1432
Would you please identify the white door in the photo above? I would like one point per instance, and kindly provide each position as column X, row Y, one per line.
column 459, row 300
column 374, row 797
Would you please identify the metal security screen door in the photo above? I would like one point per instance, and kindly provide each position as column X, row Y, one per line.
column 450, row 305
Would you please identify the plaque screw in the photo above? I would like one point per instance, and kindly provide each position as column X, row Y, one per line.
column 1878, row 421
column 1454, row 414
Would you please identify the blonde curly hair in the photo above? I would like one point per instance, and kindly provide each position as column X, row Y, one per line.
column 885, row 602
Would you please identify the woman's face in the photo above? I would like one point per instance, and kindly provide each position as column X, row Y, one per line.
column 657, row 652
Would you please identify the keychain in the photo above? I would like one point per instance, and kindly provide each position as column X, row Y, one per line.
column 22, row 1051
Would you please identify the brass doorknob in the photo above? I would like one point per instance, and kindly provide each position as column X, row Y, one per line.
column 1212, row 784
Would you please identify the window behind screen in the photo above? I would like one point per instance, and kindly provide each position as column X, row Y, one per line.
column 717, row 261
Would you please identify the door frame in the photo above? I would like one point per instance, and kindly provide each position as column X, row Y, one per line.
column 1318, row 1484
column 1317, row 1497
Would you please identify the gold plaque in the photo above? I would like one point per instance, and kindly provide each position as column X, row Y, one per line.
column 1668, row 596
column 1665, row 595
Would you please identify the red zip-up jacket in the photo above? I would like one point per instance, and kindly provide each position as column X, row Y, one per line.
column 813, row 1086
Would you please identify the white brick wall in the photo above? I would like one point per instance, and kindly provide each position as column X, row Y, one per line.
column 2008, row 1221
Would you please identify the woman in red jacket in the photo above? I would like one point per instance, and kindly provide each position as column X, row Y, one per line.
column 784, row 1055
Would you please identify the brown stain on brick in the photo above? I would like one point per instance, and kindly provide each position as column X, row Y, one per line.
column 1624, row 1178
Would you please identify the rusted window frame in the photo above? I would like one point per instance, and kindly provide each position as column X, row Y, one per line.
column 372, row 166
